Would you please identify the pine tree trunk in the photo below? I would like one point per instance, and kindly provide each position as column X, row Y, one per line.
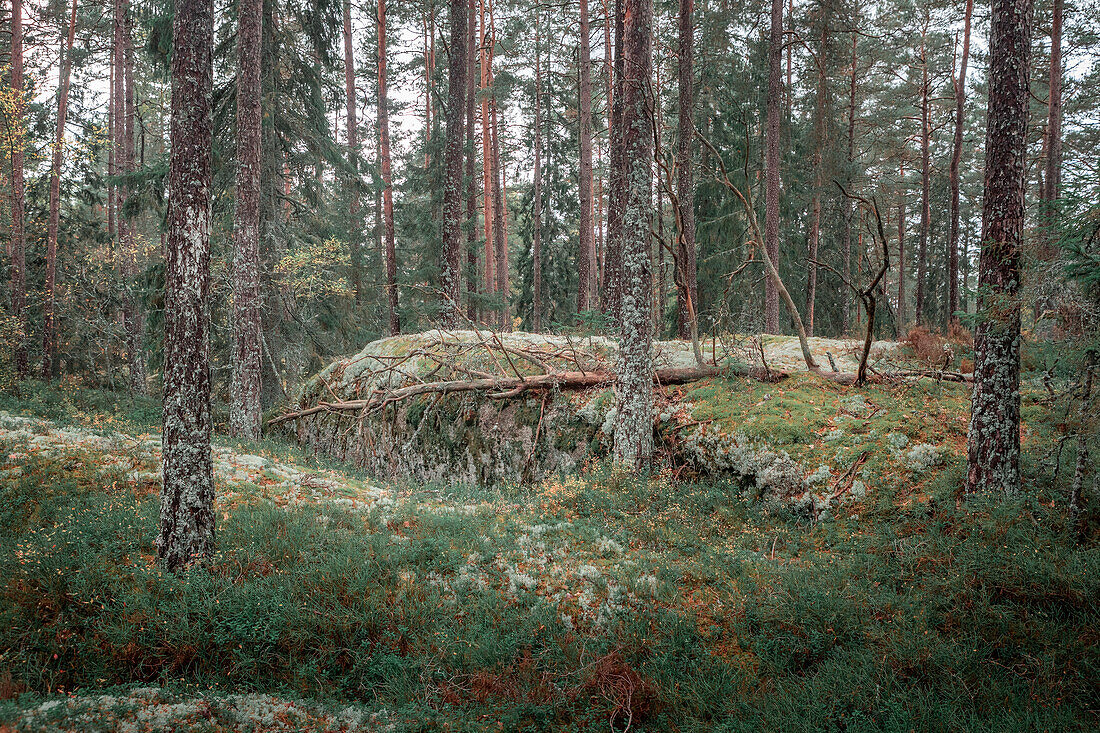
column 18, row 234
column 790, row 86
column 953, row 173
column 993, row 442
column 585, row 244
column 471, row 161
column 355, row 228
column 111, row 167
column 394, row 324
column 486, row 157
column 187, row 497
column 500, row 235
column 1054, row 108
column 634, row 376
column 849, row 205
column 925, row 171
column 135, row 320
column 49, row 330
column 453, row 189
column 814, row 242
column 900, row 319
column 244, row 405
column 611, row 295
column 604, row 193
column 772, row 160
column 687, row 287
column 536, row 236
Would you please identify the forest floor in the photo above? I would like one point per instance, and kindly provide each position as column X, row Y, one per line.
column 599, row 598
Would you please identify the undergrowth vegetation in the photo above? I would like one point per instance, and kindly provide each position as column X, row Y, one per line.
column 715, row 612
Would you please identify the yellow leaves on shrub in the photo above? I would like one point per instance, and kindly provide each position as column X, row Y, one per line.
column 317, row 270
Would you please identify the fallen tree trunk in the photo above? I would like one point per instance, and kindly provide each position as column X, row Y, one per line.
column 506, row 387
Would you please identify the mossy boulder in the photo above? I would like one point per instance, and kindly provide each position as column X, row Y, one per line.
column 789, row 442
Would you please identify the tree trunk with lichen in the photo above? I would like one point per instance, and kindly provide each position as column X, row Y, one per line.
column 993, row 442
column 452, row 186
column 187, row 497
column 244, row 405
column 633, row 383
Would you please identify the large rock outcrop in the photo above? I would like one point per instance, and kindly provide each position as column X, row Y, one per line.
column 485, row 437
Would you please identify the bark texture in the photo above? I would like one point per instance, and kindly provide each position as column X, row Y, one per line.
column 244, row 406
column 993, row 442
column 633, row 383
column 771, row 164
column 453, row 200
column 187, row 497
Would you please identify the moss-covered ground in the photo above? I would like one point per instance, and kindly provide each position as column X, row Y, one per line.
column 597, row 600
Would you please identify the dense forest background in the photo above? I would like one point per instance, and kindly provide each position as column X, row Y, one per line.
column 870, row 104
